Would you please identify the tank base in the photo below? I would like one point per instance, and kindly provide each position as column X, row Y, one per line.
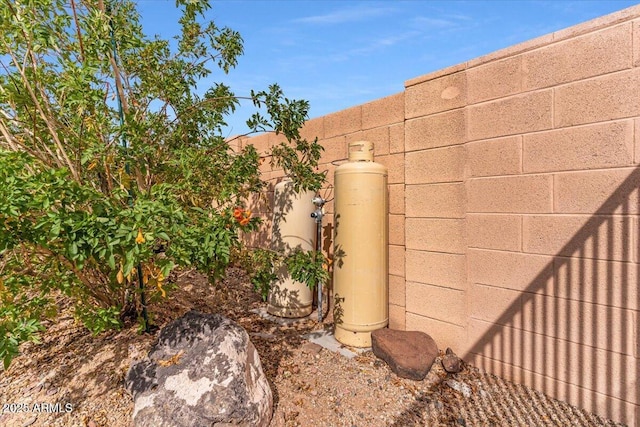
column 289, row 312
column 353, row 338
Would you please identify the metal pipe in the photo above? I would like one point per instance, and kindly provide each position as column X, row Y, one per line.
column 317, row 215
column 319, row 248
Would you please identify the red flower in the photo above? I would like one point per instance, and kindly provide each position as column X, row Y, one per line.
column 242, row 216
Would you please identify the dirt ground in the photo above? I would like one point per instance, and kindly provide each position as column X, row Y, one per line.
column 76, row 379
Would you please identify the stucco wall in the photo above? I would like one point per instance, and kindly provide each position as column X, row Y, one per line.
column 514, row 209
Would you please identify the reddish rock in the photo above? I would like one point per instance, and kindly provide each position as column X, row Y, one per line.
column 311, row 348
column 409, row 354
column 451, row 363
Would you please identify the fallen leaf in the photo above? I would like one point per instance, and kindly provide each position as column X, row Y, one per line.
column 173, row 360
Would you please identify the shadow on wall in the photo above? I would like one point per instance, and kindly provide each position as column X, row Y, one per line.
column 283, row 200
column 575, row 328
column 262, row 205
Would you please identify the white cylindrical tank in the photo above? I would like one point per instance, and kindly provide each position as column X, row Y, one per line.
column 293, row 228
column 361, row 261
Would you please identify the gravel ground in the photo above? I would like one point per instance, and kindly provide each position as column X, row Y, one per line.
column 76, row 379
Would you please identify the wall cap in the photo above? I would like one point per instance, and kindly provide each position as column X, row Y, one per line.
column 593, row 25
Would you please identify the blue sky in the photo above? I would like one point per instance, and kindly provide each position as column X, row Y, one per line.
column 337, row 54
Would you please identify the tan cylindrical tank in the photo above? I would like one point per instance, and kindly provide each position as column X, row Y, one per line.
column 361, row 261
column 293, row 228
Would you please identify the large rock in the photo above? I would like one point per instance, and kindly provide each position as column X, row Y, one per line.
column 409, row 354
column 204, row 371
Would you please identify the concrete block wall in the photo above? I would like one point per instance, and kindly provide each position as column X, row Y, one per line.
column 514, row 209
column 435, row 207
column 552, row 184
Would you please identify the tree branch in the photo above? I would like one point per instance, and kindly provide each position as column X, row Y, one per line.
column 75, row 19
column 39, row 108
column 115, row 68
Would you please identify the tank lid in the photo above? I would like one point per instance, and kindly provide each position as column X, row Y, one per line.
column 361, row 151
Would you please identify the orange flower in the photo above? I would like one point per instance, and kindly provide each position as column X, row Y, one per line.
column 244, row 221
column 120, row 276
column 247, row 213
column 159, row 284
column 140, row 237
column 237, row 213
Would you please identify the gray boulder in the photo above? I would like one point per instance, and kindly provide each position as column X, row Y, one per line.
column 204, row 371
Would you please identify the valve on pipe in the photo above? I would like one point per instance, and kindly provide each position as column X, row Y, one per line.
column 319, row 212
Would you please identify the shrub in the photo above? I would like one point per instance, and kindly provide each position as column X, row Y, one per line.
column 113, row 169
